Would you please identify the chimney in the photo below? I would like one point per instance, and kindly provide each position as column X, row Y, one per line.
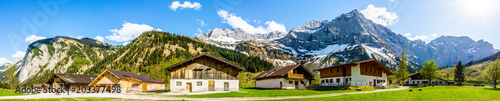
column 67, row 75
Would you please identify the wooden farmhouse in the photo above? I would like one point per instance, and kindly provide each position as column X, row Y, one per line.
column 128, row 82
column 288, row 77
column 416, row 79
column 361, row 73
column 204, row 73
column 67, row 81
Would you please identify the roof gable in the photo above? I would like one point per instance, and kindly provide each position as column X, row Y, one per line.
column 204, row 55
column 277, row 72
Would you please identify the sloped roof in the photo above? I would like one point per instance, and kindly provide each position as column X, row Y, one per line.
column 126, row 75
column 280, row 72
column 204, row 55
column 72, row 78
column 389, row 72
column 416, row 76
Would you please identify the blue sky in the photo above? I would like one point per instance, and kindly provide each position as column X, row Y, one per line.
column 117, row 22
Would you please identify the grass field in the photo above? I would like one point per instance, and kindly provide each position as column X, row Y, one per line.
column 437, row 93
column 5, row 92
column 248, row 92
column 70, row 99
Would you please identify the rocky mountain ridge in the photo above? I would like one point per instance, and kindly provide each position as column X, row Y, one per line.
column 316, row 40
column 61, row 55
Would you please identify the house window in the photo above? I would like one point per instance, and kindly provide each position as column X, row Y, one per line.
column 331, row 71
column 366, row 69
column 322, row 81
column 135, row 85
column 290, row 82
column 331, row 80
column 370, row 70
column 338, row 80
column 199, row 83
column 178, row 83
column 378, row 81
column 350, row 79
column 338, row 70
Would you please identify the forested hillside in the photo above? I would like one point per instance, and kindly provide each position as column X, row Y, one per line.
column 486, row 59
column 153, row 51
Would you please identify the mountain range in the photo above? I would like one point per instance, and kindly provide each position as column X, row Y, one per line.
column 351, row 37
column 317, row 44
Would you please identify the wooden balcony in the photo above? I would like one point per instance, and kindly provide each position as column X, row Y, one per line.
column 296, row 76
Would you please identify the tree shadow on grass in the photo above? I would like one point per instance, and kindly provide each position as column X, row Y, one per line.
column 491, row 88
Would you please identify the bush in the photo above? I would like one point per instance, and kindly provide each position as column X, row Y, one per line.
column 466, row 84
column 366, row 88
column 477, row 81
column 351, row 88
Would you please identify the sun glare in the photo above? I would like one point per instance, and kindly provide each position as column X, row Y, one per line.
column 478, row 6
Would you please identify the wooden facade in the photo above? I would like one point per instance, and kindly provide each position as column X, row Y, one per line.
column 335, row 72
column 204, row 73
column 371, row 70
column 204, row 68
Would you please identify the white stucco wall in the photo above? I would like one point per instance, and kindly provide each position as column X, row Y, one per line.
column 419, row 82
column 275, row 83
column 219, row 85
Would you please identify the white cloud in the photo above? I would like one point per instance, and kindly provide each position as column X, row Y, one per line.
column 418, row 37
column 99, row 38
column 19, row 54
column 434, row 35
column 391, row 0
column 380, row 15
column 202, row 23
column 256, row 21
column 33, row 38
column 187, row 4
column 408, row 34
column 129, row 31
column 3, row 61
column 199, row 32
column 126, row 43
column 237, row 22
column 78, row 37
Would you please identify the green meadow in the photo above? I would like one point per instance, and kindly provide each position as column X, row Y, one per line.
column 437, row 93
column 5, row 92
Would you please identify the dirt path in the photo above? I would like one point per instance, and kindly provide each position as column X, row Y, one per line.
column 164, row 97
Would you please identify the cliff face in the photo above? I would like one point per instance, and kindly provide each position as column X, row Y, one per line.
column 61, row 55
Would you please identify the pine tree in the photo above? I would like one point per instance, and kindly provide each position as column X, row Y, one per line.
column 459, row 73
column 402, row 72
column 430, row 71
